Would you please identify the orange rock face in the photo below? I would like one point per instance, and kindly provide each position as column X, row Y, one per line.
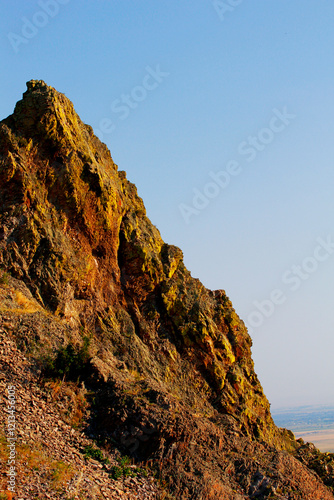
column 171, row 361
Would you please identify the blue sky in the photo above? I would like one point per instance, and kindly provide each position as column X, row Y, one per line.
column 222, row 115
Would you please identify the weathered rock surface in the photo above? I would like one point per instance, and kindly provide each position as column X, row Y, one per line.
column 50, row 457
column 171, row 378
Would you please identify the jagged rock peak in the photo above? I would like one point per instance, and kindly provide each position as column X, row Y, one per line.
column 41, row 94
column 40, row 88
column 34, row 85
column 47, row 117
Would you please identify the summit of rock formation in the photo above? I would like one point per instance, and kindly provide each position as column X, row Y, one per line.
column 93, row 298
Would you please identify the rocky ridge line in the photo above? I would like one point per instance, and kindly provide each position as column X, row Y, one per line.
column 170, row 375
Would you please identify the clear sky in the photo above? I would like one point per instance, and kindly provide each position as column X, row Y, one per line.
column 221, row 112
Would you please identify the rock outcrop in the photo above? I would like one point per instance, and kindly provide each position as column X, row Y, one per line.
column 169, row 369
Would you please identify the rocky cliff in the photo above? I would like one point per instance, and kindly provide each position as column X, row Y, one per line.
column 97, row 299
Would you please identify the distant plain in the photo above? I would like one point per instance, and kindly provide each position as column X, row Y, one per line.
column 323, row 440
column 314, row 424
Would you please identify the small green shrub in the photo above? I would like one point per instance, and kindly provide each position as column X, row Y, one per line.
column 71, row 362
column 127, row 472
column 123, row 469
column 95, row 453
column 116, row 472
column 124, row 461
